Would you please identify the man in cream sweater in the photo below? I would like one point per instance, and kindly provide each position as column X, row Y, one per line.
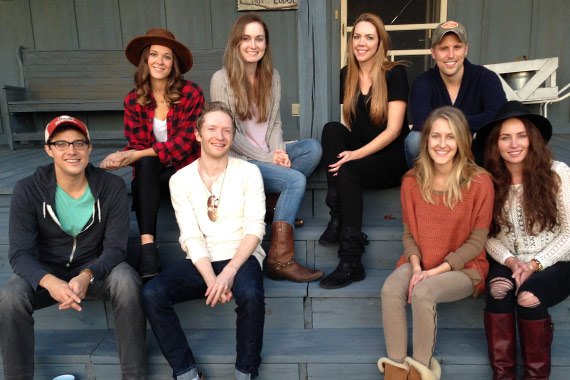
column 220, row 206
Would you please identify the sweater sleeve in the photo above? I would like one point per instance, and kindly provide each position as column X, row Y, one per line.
column 275, row 127
column 254, row 203
column 492, row 97
column 420, row 101
column 408, row 216
column 482, row 189
column 221, row 91
column 191, row 239
column 497, row 250
column 559, row 248
column 23, row 233
column 116, row 228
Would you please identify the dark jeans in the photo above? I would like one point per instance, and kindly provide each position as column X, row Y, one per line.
column 551, row 286
column 377, row 171
column 151, row 180
column 18, row 300
column 182, row 282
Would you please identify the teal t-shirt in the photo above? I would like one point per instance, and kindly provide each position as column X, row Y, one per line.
column 73, row 214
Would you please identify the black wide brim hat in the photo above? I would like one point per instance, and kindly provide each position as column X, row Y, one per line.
column 163, row 37
column 509, row 110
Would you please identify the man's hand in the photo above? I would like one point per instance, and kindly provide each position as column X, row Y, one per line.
column 60, row 291
column 220, row 290
column 79, row 284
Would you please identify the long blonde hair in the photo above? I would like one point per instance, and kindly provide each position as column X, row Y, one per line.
column 379, row 95
column 174, row 85
column 464, row 167
column 246, row 95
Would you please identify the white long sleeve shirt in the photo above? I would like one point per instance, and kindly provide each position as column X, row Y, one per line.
column 241, row 211
column 548, row 247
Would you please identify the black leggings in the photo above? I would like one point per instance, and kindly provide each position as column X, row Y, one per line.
column 551, row 286
column 377, row 171
column 151, row 180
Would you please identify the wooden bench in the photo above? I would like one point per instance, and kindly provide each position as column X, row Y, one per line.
column 71, row 81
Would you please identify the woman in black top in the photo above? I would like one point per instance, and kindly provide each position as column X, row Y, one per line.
column 369, row 150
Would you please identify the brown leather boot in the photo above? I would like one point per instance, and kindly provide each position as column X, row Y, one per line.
column 281, row 264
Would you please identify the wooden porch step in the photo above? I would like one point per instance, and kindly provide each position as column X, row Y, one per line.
column 288, row 354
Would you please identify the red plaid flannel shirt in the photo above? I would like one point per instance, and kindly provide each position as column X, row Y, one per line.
column 181, row 147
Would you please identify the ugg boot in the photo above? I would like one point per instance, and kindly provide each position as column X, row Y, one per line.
column 350, row 268
column 393, row 370
column 330, row 236
column 281, row 264
column 149, row 261
column 501, row 344
column 418, row 371
column 536, row 341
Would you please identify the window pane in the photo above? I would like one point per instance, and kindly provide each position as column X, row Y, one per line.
column 394, row 12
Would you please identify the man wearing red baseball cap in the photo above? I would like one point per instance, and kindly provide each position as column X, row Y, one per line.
column 69, row 224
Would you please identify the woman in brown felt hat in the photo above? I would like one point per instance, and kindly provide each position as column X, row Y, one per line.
column 529, row 240
column 160, row 116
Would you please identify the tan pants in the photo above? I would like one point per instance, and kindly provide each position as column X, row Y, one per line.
column 445, row 287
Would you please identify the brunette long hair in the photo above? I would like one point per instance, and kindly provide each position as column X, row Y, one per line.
column 246, row 95
column 144, row 87
column 464, row 167
column 379, row 96
column 540, row 183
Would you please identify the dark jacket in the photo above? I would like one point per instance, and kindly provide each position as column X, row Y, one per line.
column 37, row 239
column 480, row 95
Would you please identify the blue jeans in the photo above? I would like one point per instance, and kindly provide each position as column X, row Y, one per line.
column 182, row 282
column 412, row 147
column 18, row 300
column 290, row 183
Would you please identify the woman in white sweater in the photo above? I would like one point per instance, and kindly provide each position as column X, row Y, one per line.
column 529, row 240
column 251, row 88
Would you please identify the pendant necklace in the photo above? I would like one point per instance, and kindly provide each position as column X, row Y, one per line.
column 213, row 202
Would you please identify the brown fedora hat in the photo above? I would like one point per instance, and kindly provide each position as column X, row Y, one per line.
column 158, row 36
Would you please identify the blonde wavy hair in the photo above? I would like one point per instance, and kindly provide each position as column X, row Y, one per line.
column 246, row 95
column 464, row 167
column 379, row 96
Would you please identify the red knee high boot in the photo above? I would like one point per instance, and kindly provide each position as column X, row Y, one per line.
column 536, row 340
column 501, row 344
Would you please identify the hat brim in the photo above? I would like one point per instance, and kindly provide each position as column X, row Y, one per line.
column 134, row 50
column 540, row 122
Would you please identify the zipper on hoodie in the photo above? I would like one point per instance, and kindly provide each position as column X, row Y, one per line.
column 56, row 220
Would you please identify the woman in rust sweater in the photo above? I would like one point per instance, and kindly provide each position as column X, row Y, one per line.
column 447, row 205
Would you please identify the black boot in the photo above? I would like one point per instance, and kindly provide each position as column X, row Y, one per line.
column 330, row 236
column 350, row 268
column 149, row 261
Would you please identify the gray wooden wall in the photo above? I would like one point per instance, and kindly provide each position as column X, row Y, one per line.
column 304, row 43
column 111, row 24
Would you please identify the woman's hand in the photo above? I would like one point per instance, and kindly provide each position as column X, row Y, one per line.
column 347, row 155
column 281, row 158
column 112, row 161
column 417, row 277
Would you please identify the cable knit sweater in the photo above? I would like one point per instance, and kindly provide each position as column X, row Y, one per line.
column 548, row 247
column 220, row 90
column 437, row 233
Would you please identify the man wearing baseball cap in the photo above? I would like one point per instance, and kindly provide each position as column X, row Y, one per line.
column 453, row 81
column 69, row 224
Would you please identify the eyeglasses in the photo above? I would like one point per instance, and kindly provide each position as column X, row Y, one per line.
column 213, row 208
column 64, row 145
